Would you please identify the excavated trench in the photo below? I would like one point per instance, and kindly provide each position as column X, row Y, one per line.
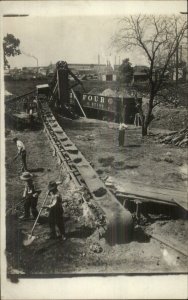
column 118, row 225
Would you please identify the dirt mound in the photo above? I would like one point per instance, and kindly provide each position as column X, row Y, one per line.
column 96, row 91
column 109, row 93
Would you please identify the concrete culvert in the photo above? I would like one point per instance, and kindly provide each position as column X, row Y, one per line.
column 77, row 160
column 72, row 151
column 100, row 192
column 119, row 228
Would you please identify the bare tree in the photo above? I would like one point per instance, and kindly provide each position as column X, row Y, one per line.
column 158, row 38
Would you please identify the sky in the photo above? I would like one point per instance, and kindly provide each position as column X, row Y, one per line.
column 76, row 39
column 74, row 31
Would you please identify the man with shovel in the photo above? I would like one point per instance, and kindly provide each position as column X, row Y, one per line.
column 21, row 152
column 121, row 136
column 55, row 212
column 30, row 196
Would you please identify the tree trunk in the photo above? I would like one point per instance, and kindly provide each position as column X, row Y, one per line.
column 149, row 116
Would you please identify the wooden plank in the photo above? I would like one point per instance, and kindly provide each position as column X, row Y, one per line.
column 170, row 242
column 150, row 192
column 133, row 198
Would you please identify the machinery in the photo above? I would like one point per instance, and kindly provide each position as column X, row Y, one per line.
column 61, row 88
column 65, row 102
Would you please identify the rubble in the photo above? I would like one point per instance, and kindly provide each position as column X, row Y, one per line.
column 177, row 138
column 96, row 248
column 168, row 159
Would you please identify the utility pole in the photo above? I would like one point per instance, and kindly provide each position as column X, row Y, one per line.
column 186, row 13
column 37, row 65
column 177, row 63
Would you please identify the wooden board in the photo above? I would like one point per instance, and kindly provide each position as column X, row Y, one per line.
column 150, row 192
column 167, row 195
column 23, row 115
column 172, row 243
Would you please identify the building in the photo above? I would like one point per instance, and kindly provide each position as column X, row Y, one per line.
column 102, row 70
column 108, row 73
column 140, row 73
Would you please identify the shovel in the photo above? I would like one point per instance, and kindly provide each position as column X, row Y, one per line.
column 30, row 237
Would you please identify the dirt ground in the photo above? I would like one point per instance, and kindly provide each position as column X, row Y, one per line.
column 139, row 161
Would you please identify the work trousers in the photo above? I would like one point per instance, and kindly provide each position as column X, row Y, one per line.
column 23, row 159
column 31, row 204
column 56, row 218
column 137, row 120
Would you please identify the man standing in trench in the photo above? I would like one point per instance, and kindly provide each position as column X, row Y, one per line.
column 21, row 152
column 121, row 137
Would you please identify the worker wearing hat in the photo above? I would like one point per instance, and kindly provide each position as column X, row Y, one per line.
column 21, row 152
column 55, row 212
column 121, row 137
column 30, row 196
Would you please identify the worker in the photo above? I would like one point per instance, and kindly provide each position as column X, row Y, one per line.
column 137, row 120
column 31, row 106
column 55, row 212
column 30, row 196
column 25, row 105
column 121, row 137
column 21, row 152
column 35, row 104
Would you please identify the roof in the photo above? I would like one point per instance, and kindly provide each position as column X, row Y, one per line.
column 111, row 93
column 140, row 67
column 140, row 74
